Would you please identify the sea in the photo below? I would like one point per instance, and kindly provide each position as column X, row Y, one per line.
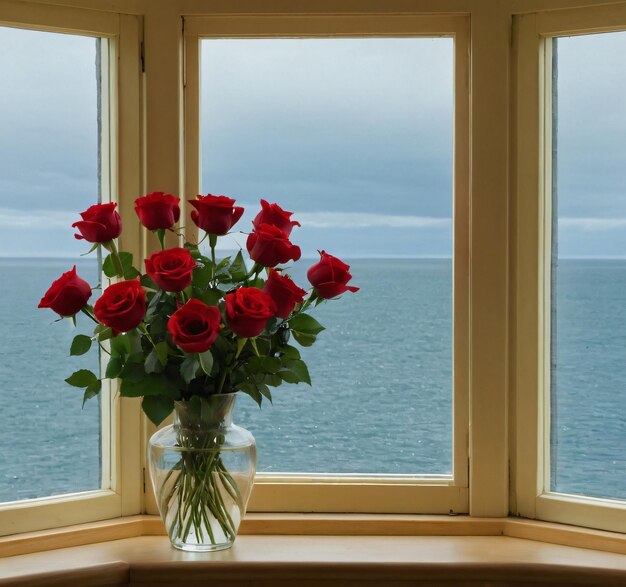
column 381, row 398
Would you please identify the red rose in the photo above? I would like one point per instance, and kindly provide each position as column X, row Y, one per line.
column 100, row 223
column 171, row 269
column 215, row 214
column 158, row 210
column 275, row 215
column 269, row 246
column 195, row 326
column 122, row 306
column 247, row 311
column 67, row 295
column 330, row 276
column 285, row 293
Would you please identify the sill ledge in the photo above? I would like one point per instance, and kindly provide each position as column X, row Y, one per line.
column 316, row 549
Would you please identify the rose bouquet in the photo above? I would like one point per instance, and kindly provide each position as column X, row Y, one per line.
column 193, row 328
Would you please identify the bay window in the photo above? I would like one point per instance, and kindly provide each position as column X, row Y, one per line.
column 481, row 134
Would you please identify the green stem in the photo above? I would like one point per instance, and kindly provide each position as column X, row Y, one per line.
column 144, row 329
column 212, row 243
column 220, row 385
column 84, row 311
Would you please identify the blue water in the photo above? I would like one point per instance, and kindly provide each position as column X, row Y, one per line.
column 381, row 400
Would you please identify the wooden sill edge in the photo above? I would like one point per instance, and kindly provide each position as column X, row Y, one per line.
column 326, row 525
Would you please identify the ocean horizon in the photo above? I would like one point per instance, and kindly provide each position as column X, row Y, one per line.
column 381, row 399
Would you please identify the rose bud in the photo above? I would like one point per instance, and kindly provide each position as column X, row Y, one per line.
column 195, row 326
column 247, row 311
column 273, row 214
column 122, row 306
column 269, row 246
column 329, row 276
column 158, row 210
column 67, row 295
column 171, row 269
column 285, row 293
column 100, row 223
column 215, row 214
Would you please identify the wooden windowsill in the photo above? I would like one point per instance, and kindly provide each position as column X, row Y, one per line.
column 312, row 549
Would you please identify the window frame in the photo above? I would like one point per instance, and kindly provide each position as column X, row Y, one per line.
column 121, row 158
column 336, row 493
column 531, row 263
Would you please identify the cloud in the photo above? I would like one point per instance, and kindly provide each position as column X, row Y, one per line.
column 350, row 220
column 30, row 219
column 593, row 224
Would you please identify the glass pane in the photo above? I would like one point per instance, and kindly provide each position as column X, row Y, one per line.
column 589, row 267
column 356, row 137
column 48, row 173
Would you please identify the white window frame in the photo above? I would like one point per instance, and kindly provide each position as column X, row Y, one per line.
column 532, row 160
column 385, row 493
column 121, row 163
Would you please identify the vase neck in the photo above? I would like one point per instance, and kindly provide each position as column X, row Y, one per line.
column 215, row 411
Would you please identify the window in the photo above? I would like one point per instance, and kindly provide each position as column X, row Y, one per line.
column 588, row 344
column 343, row 132
column 58, row 147
column 570, row 176
column 315, row 126
column 49, row 171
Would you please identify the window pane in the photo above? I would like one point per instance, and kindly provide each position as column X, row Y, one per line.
column 355, row 136
column 48, row 173
column 589, row 267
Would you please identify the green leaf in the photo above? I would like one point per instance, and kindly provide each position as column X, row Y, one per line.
column 290, row 352
column 238, row 268
column 151, row 384
column 202, row 277
column 82, row 378
column 131, row 273
column 132, row 371
column 153, row 364
column 304, row 339
column 252, row 391
column 147, row 282
column 266, row 392
column 92, row 391
column 206, row 361
column 120, row 346
column 162, row 350
column 210, row 297
column 80, row 345
column 299, row 370
column 108, row 267
column 305, row 324
column 105, row 334
column 189, row 368
column 99, row 328
column 263, row 365
column 272, row 379
column 157, row 407
column 289, row 376
column 114, row 368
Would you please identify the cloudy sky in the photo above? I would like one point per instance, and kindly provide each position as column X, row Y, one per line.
column 353, row 135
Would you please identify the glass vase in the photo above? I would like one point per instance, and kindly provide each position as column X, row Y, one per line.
column 202, row 469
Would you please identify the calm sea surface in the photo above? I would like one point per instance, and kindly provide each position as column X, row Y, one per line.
column 381, row 400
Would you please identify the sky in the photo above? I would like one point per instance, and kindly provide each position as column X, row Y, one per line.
column 352, row 135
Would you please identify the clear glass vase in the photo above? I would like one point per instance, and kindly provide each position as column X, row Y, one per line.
column 202, row 469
